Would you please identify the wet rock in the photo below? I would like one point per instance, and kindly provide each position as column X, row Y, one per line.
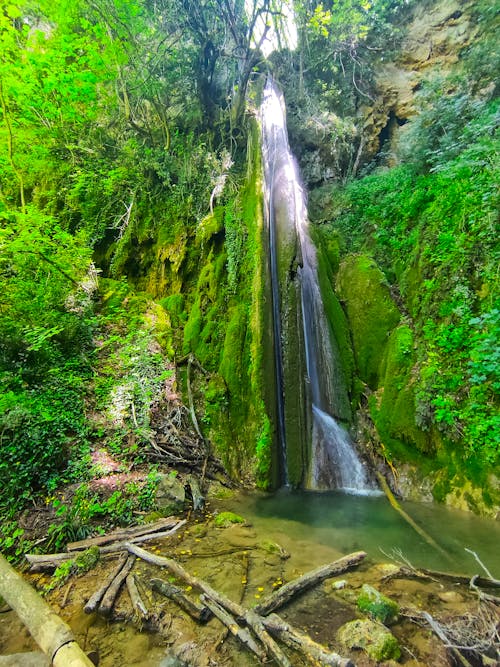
column 371, row 637
column 170, row 495
column 339, row 584
column 274, row 548
column 378, row 606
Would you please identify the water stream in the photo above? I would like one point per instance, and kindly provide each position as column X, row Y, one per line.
column 307, row 522
column 334, row 462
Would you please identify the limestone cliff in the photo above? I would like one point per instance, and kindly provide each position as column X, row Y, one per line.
column 433, row 40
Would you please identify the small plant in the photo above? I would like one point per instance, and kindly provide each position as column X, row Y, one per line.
column 81, row 564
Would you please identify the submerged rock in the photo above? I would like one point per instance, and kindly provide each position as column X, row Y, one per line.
column 378, row 606
column 225, row 519
column 371, row 637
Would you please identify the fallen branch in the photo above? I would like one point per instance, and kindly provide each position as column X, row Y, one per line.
column 259, row 625
column 438, row 630
column 138, row 605
column 49, row 562
column 488, row 573
column 284, row 594
column 123, row 535
column 481, row 595
column 95, row 599
column 408, row 571
column 32, row 659
column 304, row 644
column 229, row 621
column 198, row 612
column 110, row 595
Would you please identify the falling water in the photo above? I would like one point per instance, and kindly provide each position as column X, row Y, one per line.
column 334, row 461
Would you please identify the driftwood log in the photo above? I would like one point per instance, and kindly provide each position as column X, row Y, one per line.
column 50, row 632
column 138, row 604
column 95, row 599
column 308, row 580
column 230, row 622
column 298, row 641
column 109, row 596
column 49, row 562
column 261, row 626
column 126, row 534
column 199, row 612
column 32, row 659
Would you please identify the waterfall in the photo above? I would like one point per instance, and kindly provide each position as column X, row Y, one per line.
column 334, row 462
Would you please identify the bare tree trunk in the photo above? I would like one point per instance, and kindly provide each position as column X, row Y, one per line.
column 50, row 632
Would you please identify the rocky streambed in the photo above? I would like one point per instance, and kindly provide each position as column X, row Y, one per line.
column 375, row 613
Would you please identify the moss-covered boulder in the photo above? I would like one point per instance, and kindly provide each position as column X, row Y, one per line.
column 371, row 637
column 170, row 494
column 371, row 312
column 378, row 606
column 226, row 519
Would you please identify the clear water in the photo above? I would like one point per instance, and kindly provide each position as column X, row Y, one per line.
column 351, row 522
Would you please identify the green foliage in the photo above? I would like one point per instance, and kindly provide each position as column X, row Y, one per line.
column 394, row 411
column 337, row 41
column 83, row 563
column 263, row 452
column 432, row 227
column 131, row 367
column 89, row 513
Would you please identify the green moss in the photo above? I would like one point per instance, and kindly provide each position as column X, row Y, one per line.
column 226, row 519
column 88, row 559
column 341, row 338
column 193, row 328
column 394, row 413
column 370, row 310
column 210, row 225
column 378, row 606
column 231, row 366
column 372, row 637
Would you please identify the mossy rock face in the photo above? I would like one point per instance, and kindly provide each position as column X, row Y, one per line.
column 394, row 413
column 226, row 519
column 340, row 338
column 378, row 606
column 372, row 314
column 371, row 637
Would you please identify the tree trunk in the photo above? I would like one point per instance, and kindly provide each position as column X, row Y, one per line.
column 50, row 632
